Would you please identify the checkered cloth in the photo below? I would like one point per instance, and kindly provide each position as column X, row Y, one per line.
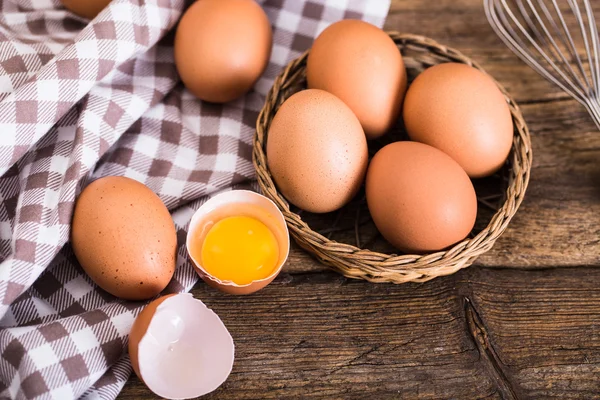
column 80, row 100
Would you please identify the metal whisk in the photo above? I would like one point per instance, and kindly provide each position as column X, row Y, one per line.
column 558, row 39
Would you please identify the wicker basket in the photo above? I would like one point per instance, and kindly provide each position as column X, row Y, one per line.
column 419, row 53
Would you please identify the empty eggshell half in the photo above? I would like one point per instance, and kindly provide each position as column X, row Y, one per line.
column 237, row 203
column 180, row 348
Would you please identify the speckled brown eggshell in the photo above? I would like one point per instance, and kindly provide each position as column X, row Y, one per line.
column 420, row 199
column 222, row 47
column 317, row 151
column 86, row 8
column 360, row 64
column 234, row 289
column 460, row 110
column 124, row 238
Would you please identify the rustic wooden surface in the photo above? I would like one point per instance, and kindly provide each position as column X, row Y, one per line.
column 523, row 324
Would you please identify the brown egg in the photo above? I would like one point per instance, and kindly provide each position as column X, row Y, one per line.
column 360, row 64
column 317, row 151
column 86, row 8
column 460, row 110
column 222, row 47
column 420, row 199
column 124, row 238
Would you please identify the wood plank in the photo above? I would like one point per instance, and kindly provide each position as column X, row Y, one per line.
column 320, row 335
column 463, row 26
column 559, row 221
column 544, row 327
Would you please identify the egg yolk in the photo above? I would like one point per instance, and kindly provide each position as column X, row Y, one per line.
column 240, row 249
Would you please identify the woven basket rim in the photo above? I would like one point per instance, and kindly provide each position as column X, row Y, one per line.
column 373, row 266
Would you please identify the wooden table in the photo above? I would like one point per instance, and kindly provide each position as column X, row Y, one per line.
column 524, row 323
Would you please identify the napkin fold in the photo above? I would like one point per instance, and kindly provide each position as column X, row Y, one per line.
column 84, row 99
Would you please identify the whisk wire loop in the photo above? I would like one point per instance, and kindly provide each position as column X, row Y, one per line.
column 558, row 39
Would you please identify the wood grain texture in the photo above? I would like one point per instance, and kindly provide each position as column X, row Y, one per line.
column 481, row 333
column 525, row 331
column 545, row 328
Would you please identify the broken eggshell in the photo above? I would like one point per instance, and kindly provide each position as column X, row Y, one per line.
column 180, row 348
column 238, row 203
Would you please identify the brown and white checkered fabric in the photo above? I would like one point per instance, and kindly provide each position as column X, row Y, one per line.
column 80, row 100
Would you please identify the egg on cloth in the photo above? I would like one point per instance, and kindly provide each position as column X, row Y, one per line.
column 238, row 241
column 317, row 151
column 460, row 110
column 360, row 64
column 222, row 47
column 180, row 348
column 420, row 199
column 124, row 238
column 86, row 8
